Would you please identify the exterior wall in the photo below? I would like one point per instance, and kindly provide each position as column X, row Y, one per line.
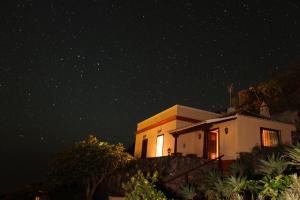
column 191, row 143
column 194, row 113
column 227, row 142
column 177, row 110
column 157, row 118
column 151, row 135
column 249, row 132
column 164, row 129
column 243, row 134
column 138, row 145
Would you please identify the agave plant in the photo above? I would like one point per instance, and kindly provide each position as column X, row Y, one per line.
column 188, row 191
column 235, row 187
column 237, row 168
column 273, row 166
column 211, row 177
column 252, row 188
column 219, row 191
column 228, row 187
column 294, row 154
column 214, row 184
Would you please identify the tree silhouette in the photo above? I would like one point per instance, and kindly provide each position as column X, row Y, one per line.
column 87, row 163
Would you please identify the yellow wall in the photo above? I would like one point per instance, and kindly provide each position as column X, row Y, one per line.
column 164, row 129
column 185, row 146
column 151, row 135
column 179, row 110
column 194, row 113
column 157, row 118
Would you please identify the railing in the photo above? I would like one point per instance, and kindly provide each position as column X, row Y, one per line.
column 185, row 173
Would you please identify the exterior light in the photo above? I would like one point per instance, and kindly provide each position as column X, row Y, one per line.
column 169, row 151
column 226, row 130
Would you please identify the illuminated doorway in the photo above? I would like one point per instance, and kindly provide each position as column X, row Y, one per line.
column 159, row 146
column 213, row 144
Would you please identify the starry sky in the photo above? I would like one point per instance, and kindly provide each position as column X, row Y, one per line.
column 72, row 68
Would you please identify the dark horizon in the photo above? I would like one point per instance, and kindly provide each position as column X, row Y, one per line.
column 69, row 69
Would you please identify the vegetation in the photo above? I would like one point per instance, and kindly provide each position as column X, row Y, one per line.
column 273, row 166
column 293, row 190
column 271, row 180
column 264, row 174
column 188, row 191
column 229, row 187
column 87, row 164
column 280, row 92
column 294, row 154
column 142, row 187
column 271, row 187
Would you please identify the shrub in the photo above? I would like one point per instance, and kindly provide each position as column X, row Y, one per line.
column 293, row 191
column 274, row 165
column 188, row 191
column 272, row 187
column 142, row 187
column 293, row 153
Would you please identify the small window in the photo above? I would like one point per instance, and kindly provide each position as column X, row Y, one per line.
column 269, row 137
column 159, row 145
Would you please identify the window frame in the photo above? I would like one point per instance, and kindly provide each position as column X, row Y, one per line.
column 278, row 133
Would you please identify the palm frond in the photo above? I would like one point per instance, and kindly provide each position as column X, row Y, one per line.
column 274, row 165
column 294, row 154
column 235, row 187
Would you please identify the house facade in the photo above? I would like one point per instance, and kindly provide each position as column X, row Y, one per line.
column 152, row 135
column 183, row 130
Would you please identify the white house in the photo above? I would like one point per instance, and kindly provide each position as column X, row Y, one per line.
column 183, row 130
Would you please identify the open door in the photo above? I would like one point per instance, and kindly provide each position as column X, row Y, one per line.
column 159, row 146
column 144, row 148
column 213, row 144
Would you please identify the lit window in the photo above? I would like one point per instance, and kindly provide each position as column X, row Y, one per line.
column 269, row 137
column 159, row 145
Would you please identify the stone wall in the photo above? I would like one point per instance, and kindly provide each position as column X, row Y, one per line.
column 167, row 167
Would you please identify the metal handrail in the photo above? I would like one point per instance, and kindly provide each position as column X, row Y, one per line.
column 192, row 169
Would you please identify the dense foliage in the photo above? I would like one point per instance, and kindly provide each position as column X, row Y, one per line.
column 87, row 163
column 274, row 178
column 188, row 191
column 281, row 92
column 142, row 187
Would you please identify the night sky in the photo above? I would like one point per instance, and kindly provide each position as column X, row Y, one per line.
column 72, row 68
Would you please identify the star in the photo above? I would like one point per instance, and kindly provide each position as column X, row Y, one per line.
column 100, row 64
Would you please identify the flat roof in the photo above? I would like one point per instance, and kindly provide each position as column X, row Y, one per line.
column 191, row 127
column 175, row 107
